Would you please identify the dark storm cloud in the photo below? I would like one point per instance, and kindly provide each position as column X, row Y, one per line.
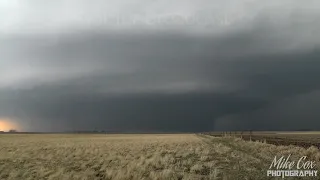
column 252, row 74
column 156, row 112
column 295, row 113
column 141, row 98
column 290, row 87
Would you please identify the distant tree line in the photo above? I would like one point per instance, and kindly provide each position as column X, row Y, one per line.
column 10, row 131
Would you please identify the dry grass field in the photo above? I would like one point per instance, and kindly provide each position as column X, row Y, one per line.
column 297, row 138
column 161, row 156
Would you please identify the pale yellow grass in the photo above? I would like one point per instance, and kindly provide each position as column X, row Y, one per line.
column 175, row 156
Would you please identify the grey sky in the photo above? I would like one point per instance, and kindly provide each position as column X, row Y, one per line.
column 158, row 65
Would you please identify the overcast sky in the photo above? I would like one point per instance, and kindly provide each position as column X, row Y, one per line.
column 160, row 66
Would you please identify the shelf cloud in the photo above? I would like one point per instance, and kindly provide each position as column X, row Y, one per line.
column 155, row 66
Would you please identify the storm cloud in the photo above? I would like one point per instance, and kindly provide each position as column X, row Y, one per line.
column 152, row 67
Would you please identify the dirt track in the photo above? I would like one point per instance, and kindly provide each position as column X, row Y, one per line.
column 301, row 140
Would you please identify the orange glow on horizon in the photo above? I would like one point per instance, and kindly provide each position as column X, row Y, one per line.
column 6, row 125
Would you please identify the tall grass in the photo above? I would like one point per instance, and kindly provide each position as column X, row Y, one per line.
column 178, row 156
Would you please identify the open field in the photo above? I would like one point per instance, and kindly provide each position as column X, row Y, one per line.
column 156, row 156
column 298, row 138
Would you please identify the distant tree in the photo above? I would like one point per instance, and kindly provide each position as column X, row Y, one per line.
column 12, row 131
column 304, row 130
